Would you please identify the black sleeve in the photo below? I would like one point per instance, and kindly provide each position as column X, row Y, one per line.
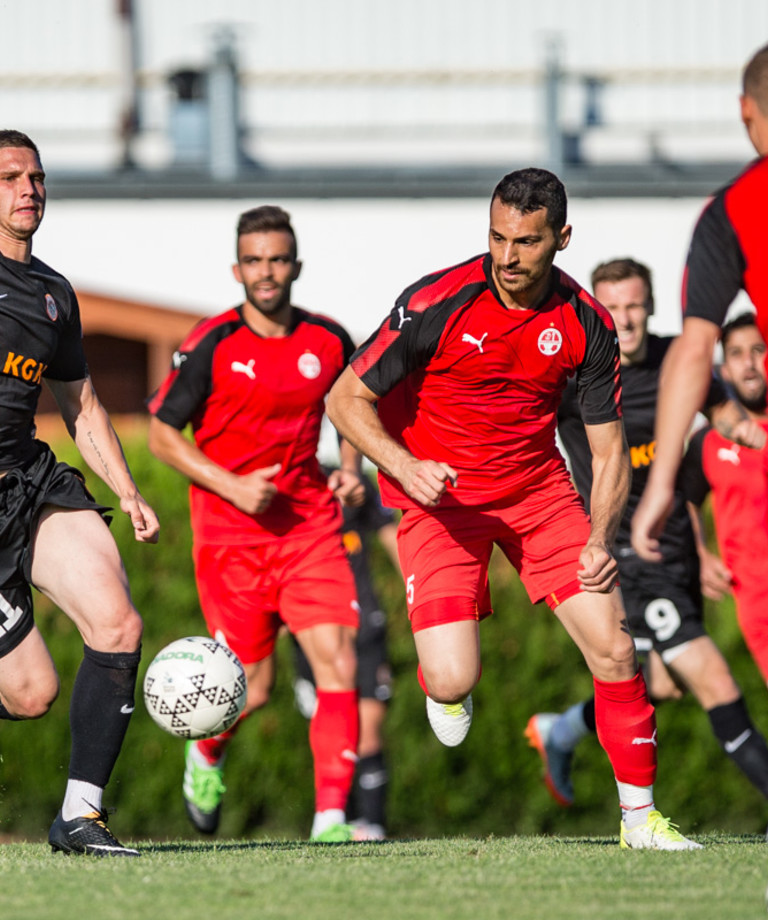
column 187, row 386
column 69, row 362
column 691, row 479
column 598, row 378
column 715, row 265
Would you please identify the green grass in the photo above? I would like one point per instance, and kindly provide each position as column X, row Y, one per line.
column 505, row 877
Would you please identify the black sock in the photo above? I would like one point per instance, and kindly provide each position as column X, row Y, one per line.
column 741, row 741
column 588, row 714
column 371, row 781
column 4, row 714
column 99, row 712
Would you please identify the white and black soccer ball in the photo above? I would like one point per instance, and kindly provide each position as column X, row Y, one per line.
column 195, row 687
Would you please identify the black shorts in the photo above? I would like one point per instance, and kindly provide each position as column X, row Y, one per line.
column 663, row 603
column 374, row 677
column 24, row 491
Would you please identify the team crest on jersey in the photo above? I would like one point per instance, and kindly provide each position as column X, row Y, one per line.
column 309, row 365
column 550, row 341
column 50, row 307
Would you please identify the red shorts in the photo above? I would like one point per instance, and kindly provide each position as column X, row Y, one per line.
column 248, row 592
column 444, row 553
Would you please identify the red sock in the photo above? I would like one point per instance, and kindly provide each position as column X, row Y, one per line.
column 626, row 728
column 213, row 749
column 333, row 736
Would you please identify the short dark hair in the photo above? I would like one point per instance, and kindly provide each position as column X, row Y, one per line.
column 742, row 321
column 754, row 80
column 532, row 189
column 11, row 138
column 621, row 269
column 266, row 218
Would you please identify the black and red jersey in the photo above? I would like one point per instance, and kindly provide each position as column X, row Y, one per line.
column 253, row 402
column 728, row 250
column 464, row 380
column 40, row 336
column 640, row 387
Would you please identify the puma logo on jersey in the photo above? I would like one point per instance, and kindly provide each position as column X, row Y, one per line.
column 26, row 368
column 403, row 317
column 178, row 359
column 473, row 341
column 239, row 368
column 731, row 454
column 651, row 740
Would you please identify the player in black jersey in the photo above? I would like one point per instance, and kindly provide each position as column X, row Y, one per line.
column 52, row 533
column 663, row 600
column 374, row 678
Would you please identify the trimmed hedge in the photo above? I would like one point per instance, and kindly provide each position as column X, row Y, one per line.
column 489, row 785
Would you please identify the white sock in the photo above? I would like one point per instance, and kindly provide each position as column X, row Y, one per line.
column 325, row 819
column 636, row 803
column 80, row 799
column 570, row 728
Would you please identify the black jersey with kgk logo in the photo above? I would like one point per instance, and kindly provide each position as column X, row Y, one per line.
column 40, row 336
column 640, row 387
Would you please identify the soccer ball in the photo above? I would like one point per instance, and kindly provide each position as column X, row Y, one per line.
column 195, row 688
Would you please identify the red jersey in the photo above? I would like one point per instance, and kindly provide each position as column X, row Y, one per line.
column 464, row 380
column 727, row 251
column 738, row 478
column 253, row 402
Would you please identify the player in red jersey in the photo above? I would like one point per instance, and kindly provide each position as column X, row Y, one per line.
column 727, row 253
column 738, row 479
column 266, row 522
column 454, row 398
column 52, row 533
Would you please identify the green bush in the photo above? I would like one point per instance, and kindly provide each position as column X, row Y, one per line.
column 489, row 785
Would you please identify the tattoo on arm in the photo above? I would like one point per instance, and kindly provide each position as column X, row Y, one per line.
column 102, row 461
column 624, row 626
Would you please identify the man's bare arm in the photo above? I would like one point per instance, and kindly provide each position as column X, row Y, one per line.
column 90, row 428
column 611, row 479
column 251, row 493
column 351, row 407
column 685, row 378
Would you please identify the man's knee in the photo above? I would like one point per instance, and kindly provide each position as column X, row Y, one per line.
column 32, row 700
column 119, row 632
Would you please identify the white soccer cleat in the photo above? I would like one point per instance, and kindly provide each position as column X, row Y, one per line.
column 658, row 833
column 450, row 721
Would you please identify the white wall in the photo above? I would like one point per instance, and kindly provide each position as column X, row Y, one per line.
column 358, row 255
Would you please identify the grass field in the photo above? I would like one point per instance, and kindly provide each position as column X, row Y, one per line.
column 447, row 879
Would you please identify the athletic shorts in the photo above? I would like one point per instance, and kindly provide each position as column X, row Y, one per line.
column 374, row 676
column 663, row 603
column 248, row 592
column 444, row 553
column 24, row 491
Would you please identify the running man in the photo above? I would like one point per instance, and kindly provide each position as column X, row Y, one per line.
column 727, row 253
column 54, row 535
column 663, row 601
column 266, row 522
column 454, row 398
